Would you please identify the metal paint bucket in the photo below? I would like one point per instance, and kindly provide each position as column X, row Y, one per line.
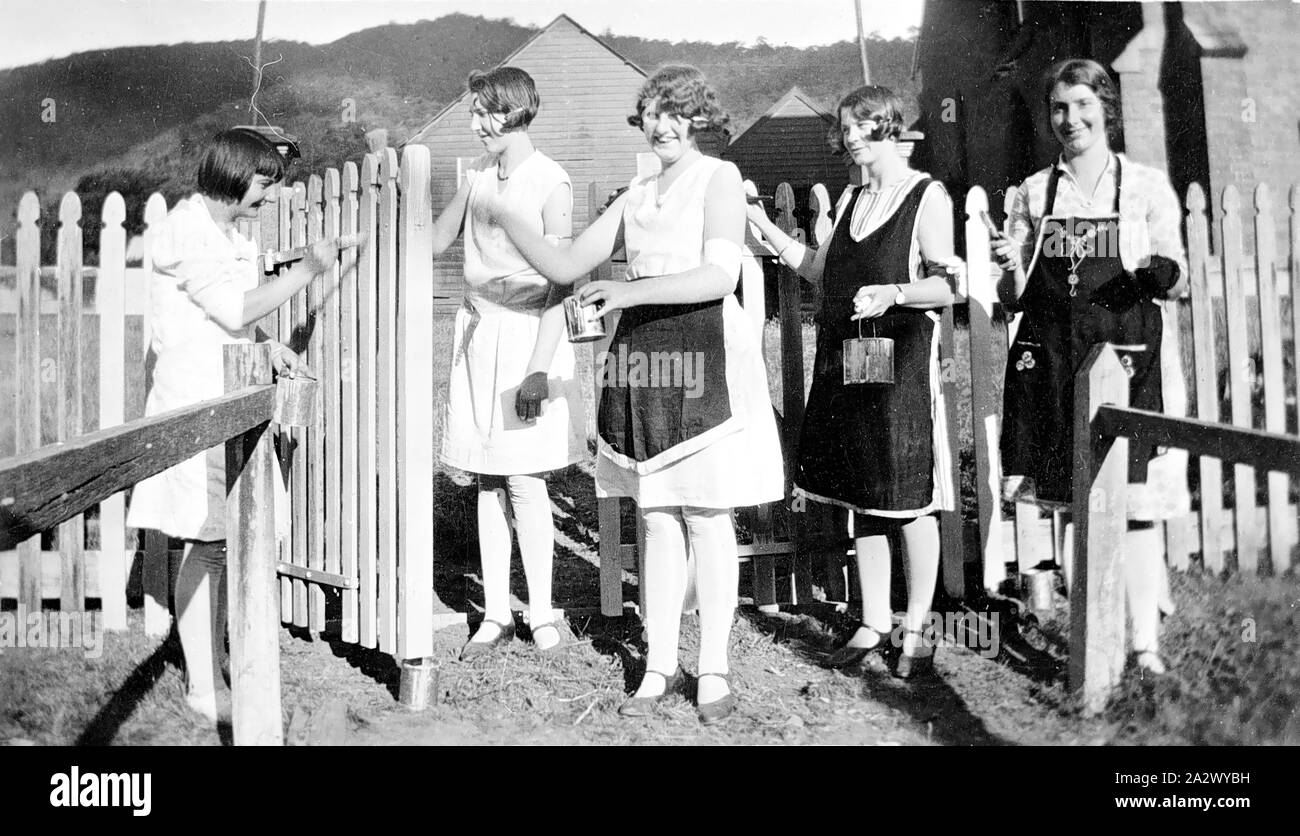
column 295, row 401
column 868, row 359
column 583, row 322
column 1040, row 589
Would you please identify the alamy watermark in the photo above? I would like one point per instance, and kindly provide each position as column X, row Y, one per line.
column 52, row 630
column 977, row 631
column 653, row 369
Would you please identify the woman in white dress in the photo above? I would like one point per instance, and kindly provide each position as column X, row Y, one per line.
column 686, row 427
column 514, row 403
column 205, row 295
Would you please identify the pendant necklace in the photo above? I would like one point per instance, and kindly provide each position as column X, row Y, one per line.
column 1077, row 252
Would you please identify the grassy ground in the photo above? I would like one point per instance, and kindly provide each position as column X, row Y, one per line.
column 1233, row 644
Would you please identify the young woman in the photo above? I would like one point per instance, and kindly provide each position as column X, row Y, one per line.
column 1100, row 236
column 879, row 450
column 687, row 455
column 205, row 296
column 514, row 404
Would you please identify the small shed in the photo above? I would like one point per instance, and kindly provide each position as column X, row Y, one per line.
column 587, row 92
column 787, row 144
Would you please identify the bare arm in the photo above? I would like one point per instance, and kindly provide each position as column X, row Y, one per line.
column 809, row 263
column 724, row 221
column 268, row 296
column 446, row 229
column 557, row 221
column 934, row 230
column 1010, row 248
column 564, row 266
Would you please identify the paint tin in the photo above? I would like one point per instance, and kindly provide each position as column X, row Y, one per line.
column 583, row 322
column 868, row 360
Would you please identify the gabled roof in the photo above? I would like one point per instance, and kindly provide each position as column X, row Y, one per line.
column 794, row 103
column 541, row 32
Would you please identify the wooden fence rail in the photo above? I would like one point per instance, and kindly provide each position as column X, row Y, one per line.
column 1103, row 425
column 57, row 483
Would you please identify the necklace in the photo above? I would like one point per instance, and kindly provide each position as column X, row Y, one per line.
column 1077, row 250
column 500, row 176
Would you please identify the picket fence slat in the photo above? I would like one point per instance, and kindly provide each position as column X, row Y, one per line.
column 347, row 510
column 1206, row 374
column 1270, row 333
column 283, row 237
column 72, row 533
column 367, row 429
column 28, row 424
column 386, row 402
column 1238, row 363
column 110, row 301
column 300, row 492
column 316, row 480
column 330, row 424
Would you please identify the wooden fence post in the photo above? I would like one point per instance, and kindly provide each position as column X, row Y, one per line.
column 416, row 459
column 608, row 510
column 1100, row 521
column 790, row 317
column 251, row 564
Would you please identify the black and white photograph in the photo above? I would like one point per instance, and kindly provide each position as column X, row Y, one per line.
column 712, row 373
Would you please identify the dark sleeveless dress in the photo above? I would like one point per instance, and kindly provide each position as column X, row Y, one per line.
column 869, row 446
column 1062, row 321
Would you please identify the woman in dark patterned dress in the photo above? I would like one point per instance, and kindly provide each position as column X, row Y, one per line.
column 880, row 450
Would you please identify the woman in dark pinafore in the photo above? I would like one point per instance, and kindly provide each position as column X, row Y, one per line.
column 880, row 450
column 1100, row 236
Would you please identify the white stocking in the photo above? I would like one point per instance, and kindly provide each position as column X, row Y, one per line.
column 494, row 551
column 535, row 529
column 665, row 589
column 201, row 622
column 717, row 574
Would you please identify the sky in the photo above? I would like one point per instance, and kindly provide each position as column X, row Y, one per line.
column 36, row 30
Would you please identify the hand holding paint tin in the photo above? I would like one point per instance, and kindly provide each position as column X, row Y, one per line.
column 583, row 323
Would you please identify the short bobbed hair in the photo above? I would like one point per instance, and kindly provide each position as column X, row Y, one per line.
column 1087, row 72
column 879, row 104
column 508, row 91
column 232, row 159
column 682, row 90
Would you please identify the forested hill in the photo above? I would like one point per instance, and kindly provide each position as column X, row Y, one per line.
column 132, row 116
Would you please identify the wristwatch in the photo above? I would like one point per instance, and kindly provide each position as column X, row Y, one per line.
column 899, row 300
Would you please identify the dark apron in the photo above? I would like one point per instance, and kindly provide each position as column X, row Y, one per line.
column 1077, row 295
column 642, row 417
column 870, row 445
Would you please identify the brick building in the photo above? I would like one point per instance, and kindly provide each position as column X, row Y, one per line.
column 1208, row 89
